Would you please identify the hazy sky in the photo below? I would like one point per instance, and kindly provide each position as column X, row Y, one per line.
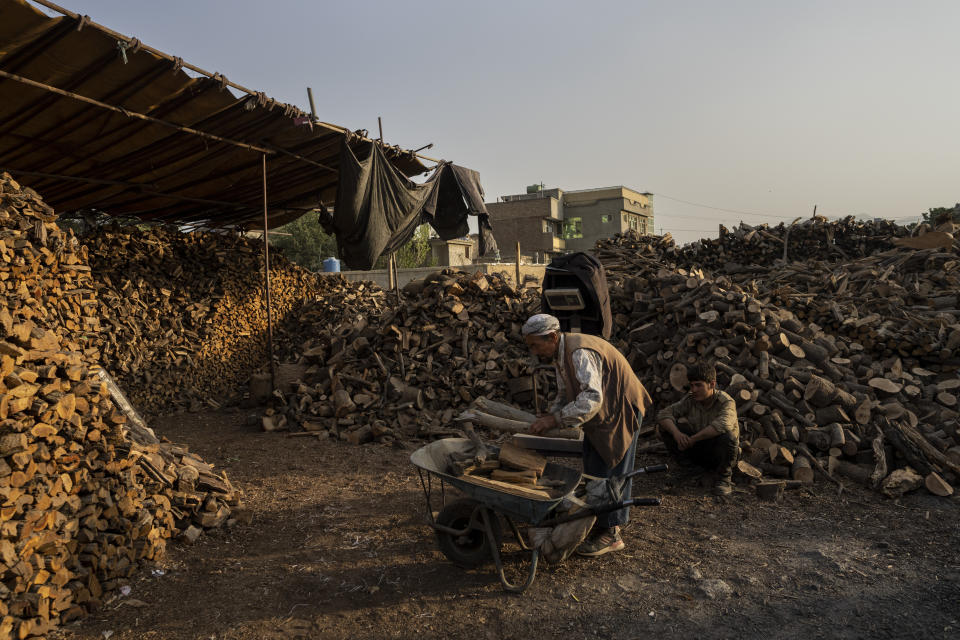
column 767, row 107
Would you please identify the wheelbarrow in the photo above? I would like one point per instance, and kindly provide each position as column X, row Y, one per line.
column 469, row 530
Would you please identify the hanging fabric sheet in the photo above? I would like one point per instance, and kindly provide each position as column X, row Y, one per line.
column 378, row 209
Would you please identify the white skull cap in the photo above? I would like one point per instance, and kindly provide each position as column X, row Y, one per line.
column 540, row 325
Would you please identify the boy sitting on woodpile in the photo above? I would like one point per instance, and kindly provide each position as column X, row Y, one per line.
column 702, row 428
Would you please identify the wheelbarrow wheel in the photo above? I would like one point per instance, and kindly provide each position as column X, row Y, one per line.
column 471, row 549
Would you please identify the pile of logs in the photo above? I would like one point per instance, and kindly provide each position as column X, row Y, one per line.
column 182, row 319
column 403, row 370
column 87, row 492
column 895, row 303
column 801, row 390
column 803, row 239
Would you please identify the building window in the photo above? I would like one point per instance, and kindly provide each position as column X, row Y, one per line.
column 605, row 219
column 572, row 228
column 635, row 223
column 547, row 227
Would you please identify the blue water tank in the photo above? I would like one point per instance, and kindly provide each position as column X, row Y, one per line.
column 331, row 265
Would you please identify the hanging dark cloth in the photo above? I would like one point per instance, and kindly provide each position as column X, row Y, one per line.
column 378, row 209
column 457, row 196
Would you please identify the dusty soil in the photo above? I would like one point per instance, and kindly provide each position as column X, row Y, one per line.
column 337, row 548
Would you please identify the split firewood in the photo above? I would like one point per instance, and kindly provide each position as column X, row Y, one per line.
column 105, row 494
column 937, row 485
column 515, row 457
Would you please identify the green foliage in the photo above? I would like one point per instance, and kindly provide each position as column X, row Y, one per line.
column 305, row 242
column 416, row 253
column 939, row 215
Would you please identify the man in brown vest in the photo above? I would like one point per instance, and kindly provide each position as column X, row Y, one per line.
column 598, row 391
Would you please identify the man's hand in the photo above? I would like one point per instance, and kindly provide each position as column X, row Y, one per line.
column 684, row 441
column 543, row 423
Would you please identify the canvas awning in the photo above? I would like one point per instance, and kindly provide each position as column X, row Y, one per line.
column 92, row 119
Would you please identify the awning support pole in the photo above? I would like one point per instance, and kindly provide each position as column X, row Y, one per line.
column 518, row 268
column 266, row 276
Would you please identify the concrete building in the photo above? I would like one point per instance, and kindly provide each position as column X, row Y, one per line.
column 549, row 222
column 452, row 253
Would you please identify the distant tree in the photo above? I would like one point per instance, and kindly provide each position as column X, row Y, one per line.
column 939, row 215
column 303, row 241
column 415, row 253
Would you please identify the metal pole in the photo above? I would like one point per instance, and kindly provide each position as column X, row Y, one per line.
column 266, row 275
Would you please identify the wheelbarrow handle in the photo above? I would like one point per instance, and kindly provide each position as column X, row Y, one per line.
column 654, row 468
column 606, row 508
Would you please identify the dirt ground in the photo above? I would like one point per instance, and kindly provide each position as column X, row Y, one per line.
column 337, row 548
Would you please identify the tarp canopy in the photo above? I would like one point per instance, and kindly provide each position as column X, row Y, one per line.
column 94, row 120
column 378, row 208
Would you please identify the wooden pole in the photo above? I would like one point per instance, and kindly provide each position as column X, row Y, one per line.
column 396, row 276
column 266, row 276
column 518, row 267
column 313, row 109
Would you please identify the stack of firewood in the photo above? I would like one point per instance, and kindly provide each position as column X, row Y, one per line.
column 182, row 321
column 403, row 369
column 87, row 492
column 895, row 303
column 749, row 246
column 803, row 239
column 801, row 390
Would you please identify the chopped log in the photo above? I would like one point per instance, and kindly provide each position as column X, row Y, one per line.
column 506, row 425
column 775, row 470
column 523, row 477
column 820, row 392
column 802, row 449
column 901, row 481
column 860, row 474
column 506, row 487
column 502, row 410
column 937, row 485
column 514, row 457
column 771, row 491
column 780, row 455
column 833, row 413
column 885, row 386
column 801, row 470
column 748, row 470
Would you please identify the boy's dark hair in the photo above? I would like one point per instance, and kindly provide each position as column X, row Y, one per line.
column 702, row 371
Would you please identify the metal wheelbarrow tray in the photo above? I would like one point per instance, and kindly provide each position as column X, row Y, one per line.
column 468, row 529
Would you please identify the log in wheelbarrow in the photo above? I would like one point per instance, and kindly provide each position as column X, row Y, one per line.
column 469, row 530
